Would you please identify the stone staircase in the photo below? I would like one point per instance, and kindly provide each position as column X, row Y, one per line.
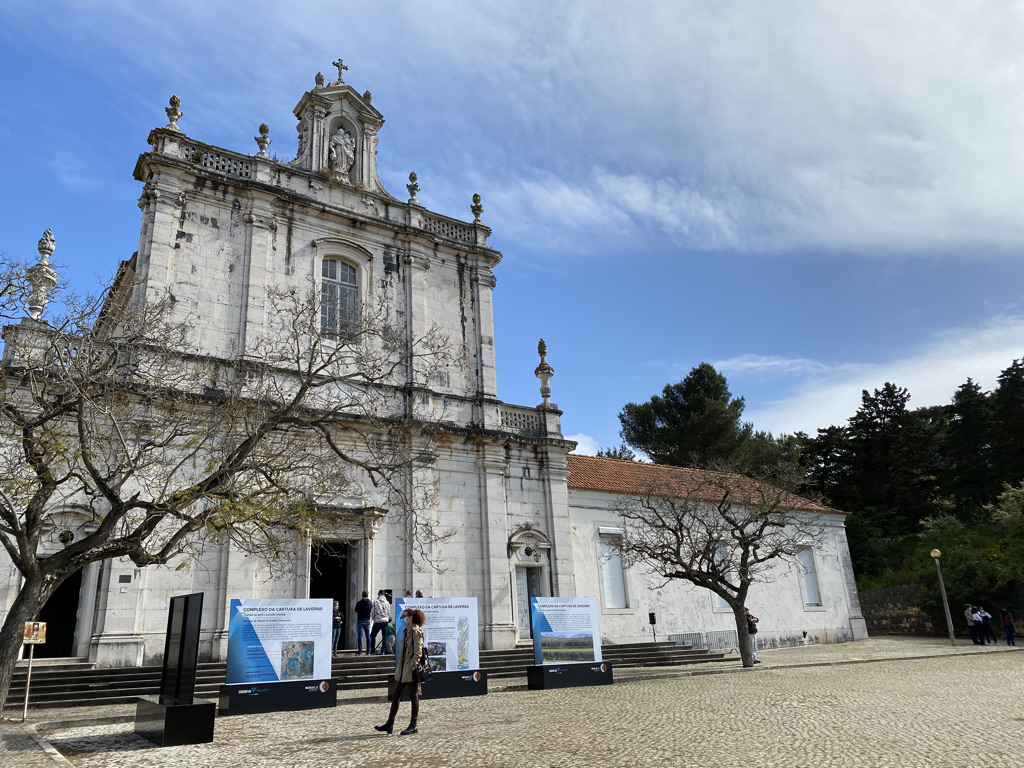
column 75, row 682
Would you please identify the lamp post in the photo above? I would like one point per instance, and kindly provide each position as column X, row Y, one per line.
column 945, row 603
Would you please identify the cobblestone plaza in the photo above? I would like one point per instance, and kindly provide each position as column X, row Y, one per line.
column 911, row 703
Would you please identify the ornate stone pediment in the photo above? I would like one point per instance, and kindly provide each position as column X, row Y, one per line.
column 528, row 545
column 338, row 135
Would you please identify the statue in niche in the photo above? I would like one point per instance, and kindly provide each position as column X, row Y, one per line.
column 342, row 154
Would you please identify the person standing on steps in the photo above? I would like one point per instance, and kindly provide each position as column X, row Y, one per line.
column 363, row 610
column 337, row 622
column 380, row 615
column 752, row 631
column 410, row 656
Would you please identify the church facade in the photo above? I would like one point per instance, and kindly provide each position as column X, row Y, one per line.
column 219, row 230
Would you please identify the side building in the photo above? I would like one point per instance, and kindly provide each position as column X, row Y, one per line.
column 221, row 230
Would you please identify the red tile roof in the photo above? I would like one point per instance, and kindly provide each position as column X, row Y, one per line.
column 590, row 473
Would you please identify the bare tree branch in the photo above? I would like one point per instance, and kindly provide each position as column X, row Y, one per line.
column 719, row 531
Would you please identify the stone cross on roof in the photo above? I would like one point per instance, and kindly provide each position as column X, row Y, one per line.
column 340, row 64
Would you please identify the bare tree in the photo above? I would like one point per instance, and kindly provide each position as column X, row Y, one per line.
column 716, row 530
column 14, row 287
column 119, row 438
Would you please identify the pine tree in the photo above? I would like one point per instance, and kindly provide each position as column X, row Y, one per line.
column 1008, row 433
column 967, row 449
column 694, row 423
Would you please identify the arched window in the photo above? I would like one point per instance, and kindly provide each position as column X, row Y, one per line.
column 339, row 298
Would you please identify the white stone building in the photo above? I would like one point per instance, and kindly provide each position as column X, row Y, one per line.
column 219, row 228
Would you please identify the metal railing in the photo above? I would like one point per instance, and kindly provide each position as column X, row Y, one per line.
column 718, row 640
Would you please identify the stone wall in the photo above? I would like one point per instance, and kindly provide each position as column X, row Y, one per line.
column 894, row 611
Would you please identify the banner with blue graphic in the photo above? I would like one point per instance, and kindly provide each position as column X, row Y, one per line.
column 272, row 641
column 451, row 631
column 565, row 630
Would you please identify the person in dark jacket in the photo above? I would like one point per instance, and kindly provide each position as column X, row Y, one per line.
column 986, row 626
column 363, row 608
column 408, row 660
column 337, row 622
column 1008, row 627
column 752, row 631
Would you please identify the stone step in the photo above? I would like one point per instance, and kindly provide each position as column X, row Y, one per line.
column 79, row 683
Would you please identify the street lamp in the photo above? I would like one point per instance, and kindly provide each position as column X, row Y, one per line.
column 945, row 603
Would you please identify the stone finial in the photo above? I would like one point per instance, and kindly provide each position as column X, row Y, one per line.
column 173, row 113
column 41, row 276
column 368, row 97
column 544, row 372
column 46, row 246
column 319, row 80
column 263, row 141
column 413, row 188
column 340, row 64
column 476, row 208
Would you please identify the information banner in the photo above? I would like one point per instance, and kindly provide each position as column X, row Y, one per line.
column 272, row 641
column 565, row 630
column 450, row 634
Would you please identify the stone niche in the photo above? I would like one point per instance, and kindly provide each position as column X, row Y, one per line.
column 338, row 136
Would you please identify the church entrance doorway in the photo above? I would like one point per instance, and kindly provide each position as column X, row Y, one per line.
column 330, row 576
column 61, row 616
column 527, row 586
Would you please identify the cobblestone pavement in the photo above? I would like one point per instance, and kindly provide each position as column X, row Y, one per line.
column 959, row 707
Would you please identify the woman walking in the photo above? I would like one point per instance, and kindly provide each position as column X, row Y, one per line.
column 408, row 659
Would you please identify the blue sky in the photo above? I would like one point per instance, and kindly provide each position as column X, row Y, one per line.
column 814, row 199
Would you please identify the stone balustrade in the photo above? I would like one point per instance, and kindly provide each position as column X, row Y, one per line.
column 527, row 422
column 267, row 170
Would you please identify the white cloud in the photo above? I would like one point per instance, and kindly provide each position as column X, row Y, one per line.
column 752, row 365
column 753, row 126
column 587, row 446
column 831, row 395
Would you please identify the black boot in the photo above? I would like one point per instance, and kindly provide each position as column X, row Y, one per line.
column 386, row 728
column 411, row 729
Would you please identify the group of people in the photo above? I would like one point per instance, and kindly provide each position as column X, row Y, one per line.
column 373, row 618
column 979, row 624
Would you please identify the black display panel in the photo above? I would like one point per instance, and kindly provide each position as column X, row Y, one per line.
column 181, row 648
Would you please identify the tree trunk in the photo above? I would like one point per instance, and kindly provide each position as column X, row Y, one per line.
column 12, row 633
column 743, row 637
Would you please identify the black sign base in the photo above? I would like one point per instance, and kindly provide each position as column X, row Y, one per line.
column 289, row 696
column 451, row 684
column 543, row 676
column 171, row 722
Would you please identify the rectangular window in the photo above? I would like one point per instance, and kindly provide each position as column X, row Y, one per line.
column 613, row 580
column 808, row 577
column 339, row 298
